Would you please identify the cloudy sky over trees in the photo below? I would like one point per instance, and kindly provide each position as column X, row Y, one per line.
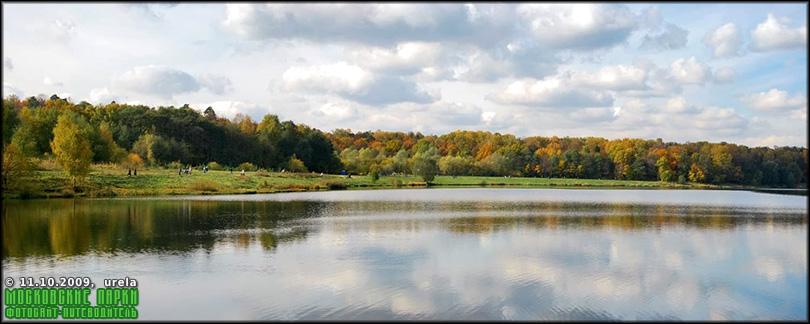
column 681, row 72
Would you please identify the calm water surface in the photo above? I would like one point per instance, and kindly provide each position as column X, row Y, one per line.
column 431, row 253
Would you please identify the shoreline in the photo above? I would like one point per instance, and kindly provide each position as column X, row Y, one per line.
column 107, row 183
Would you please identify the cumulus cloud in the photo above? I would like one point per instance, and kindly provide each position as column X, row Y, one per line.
column 217, row 84
column 775, row 100
column 672, row 37
column 680, row 119
column 370, row 23
column 551, row 92
column 406, row 58
column 337, row 111
column 724, row 75
column 519, row 58
column 156, row 80
column 578, row 26
column 165, row 82
column 613, row 77
column 716, row 118
column 678, row 105
column 689, row 71
column 724, row 41
column 355, row 83
column 594, row 114
column 775, row 34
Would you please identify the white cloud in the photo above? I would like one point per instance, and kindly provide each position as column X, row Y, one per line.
column 405, row 58
column 229, row 109
column 689, row 71
column 551, row 92
column 594, row 114
column 51, row 83
column 337, row 111
column 775, row 100
column 672, row 37
column 156, row 80
column 63, row 30
column 676, row 105
column 774, row 34
column 717, row 118
column 519, row 60
column 613, row 77
column 337, row 78
column 355, row 83
column 217, row 84
column 150, row 10
column 724, row 41
column 102, row 95
column 578, row 26
column 370, row 23
column 724, row 75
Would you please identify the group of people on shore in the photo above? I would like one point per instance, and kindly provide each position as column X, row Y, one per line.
column 187, row 170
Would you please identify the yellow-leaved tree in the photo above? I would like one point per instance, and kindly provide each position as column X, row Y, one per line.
column 71, row 145
column 16, row 167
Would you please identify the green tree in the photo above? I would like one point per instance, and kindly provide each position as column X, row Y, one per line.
column 106, row 150
column 71, row 145
column 425, row 163
column 10, row 118
column 455, row 165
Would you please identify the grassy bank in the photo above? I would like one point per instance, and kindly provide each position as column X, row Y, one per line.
column 109, row 181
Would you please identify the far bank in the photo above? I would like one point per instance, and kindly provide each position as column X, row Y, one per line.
column 112, row 182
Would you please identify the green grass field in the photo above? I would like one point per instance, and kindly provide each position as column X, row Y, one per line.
column 110, row 181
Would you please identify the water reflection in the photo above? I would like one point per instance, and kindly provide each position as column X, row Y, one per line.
column 425, row 259
column 75, row 227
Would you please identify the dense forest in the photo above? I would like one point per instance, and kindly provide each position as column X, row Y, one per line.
column 55, row 128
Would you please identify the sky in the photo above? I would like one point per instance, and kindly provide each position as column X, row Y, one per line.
column 676, row 71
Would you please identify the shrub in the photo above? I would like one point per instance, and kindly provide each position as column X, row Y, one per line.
column 204, row 185
column 396, row 182
column 262, row 173
column 247, row 166
column 174, row 165
column 333, row 185
column 374, row 173
column 296, row 165
column 214, row 166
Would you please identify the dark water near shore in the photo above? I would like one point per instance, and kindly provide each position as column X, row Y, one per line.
column 472, row 253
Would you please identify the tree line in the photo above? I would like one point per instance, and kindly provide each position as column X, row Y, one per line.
column 160, row 136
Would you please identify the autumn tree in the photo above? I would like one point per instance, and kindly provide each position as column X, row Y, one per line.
column 16, row 167
column 71, row 145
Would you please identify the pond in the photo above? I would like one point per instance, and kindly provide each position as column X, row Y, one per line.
column 465, row 253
